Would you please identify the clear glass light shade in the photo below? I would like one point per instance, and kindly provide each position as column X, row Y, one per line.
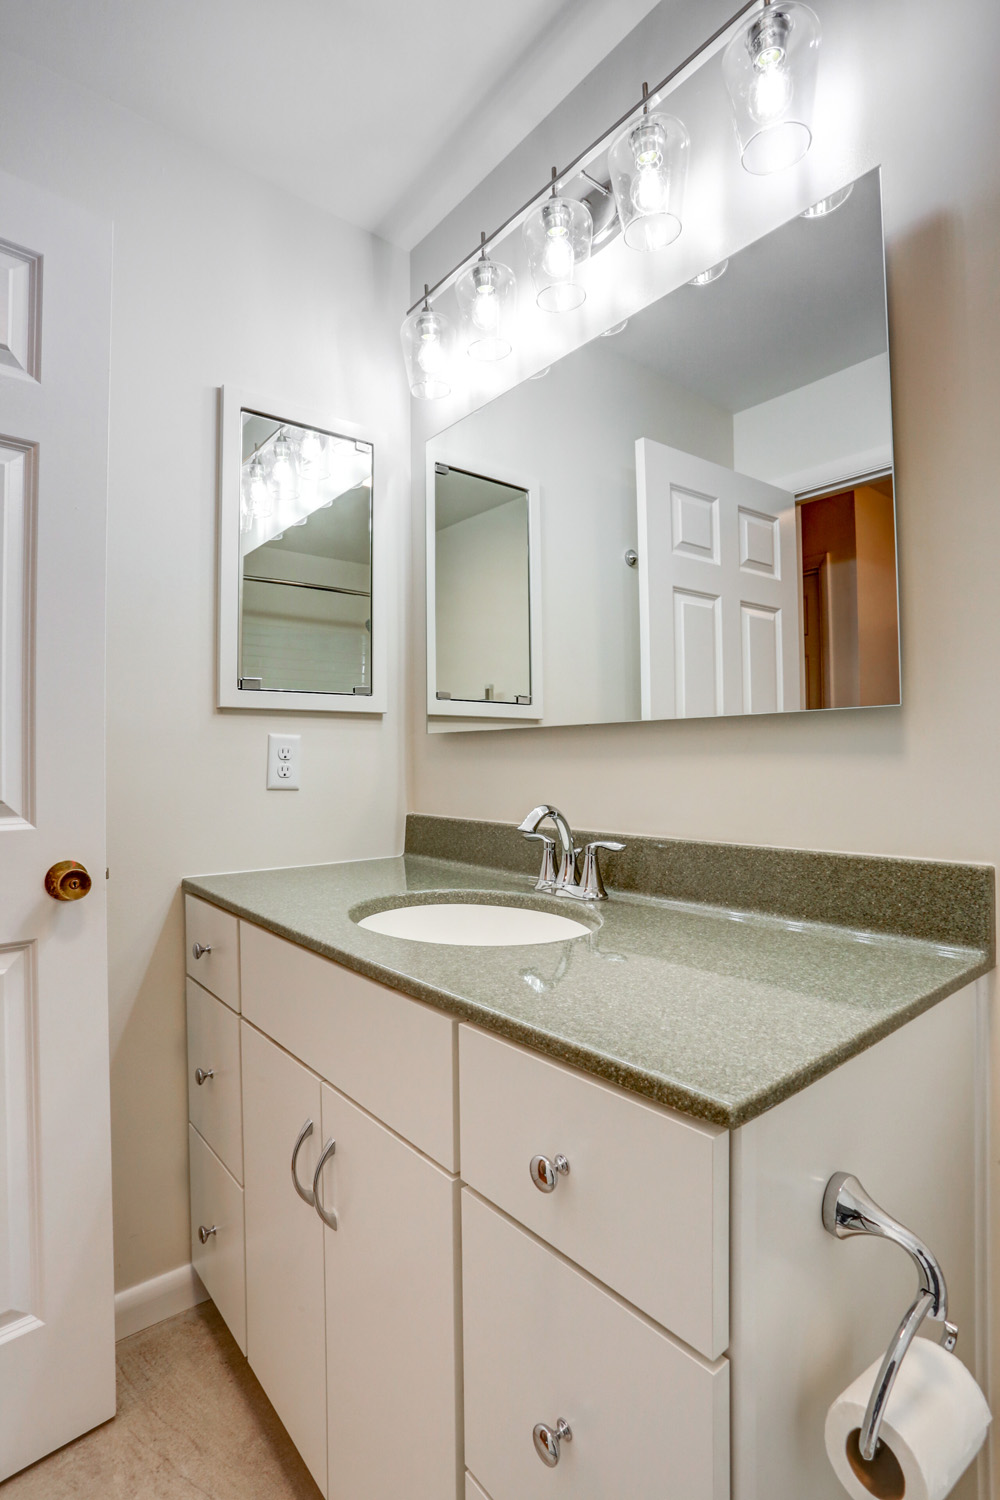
column 648, row 165
column 284, row 469
column 705, row 278
column 770, row 71
column 487, row 300
column 828, row 205
column 257, row 491
column 428, row 349
column 558, row 235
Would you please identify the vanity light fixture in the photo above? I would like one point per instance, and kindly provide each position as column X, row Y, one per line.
column 828, row 205
column 648, row 165
column 487, row 299
column 770, row 71
column 428, row 347
column 558, row 235
column 705, row 278
column 769, row 66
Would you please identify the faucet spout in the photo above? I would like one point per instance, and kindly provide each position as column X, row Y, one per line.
column 567, row 849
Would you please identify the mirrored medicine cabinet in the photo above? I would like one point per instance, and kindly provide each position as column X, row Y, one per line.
column 692, row 517
column 298, row 584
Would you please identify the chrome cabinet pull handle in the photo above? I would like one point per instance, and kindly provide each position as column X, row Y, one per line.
column 304, row 1193
column 206, row 1234
column 200, row 949
column 328, row 1215
column 549, row 1440
column 201, row 1075
column 546, row 1171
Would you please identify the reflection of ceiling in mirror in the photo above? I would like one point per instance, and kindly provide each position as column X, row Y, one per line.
column 459, row 496
column 341, row 530
column 799, row 304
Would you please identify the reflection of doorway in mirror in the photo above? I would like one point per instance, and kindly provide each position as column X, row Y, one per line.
column 850, row 625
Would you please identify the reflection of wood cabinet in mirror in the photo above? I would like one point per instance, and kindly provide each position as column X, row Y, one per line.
column 300, row 560
column 771, row 383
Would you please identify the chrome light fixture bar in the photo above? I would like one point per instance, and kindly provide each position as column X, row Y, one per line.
column 772, row 113
column 517, row 217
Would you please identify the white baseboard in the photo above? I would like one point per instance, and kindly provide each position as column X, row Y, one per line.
column 139, row 1307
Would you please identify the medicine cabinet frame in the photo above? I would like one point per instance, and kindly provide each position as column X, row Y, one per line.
column 233, row 401
column 439, row 452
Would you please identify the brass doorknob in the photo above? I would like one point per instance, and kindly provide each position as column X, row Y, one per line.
column 67, row 881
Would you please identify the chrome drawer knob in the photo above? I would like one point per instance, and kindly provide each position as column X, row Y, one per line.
column 206, row 1234
column 546, row 1171
column 200, row 949
column 548, row 1441
column 201, row 1075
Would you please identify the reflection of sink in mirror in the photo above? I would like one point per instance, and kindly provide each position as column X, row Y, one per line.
column 735, row 441
column 472, row 925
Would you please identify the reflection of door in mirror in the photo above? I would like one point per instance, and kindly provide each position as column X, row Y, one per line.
column 850, row 622
column 481, row 588
column 718, row 589
column 305, row 533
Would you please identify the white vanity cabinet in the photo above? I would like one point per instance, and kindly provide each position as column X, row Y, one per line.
column 660, row 1285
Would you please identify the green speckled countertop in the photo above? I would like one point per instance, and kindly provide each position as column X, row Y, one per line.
column 718, row 1013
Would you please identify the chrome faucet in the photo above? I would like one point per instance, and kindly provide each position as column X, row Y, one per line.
column 564, row 882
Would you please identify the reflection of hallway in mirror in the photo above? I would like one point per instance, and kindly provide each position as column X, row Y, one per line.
column 850, row 627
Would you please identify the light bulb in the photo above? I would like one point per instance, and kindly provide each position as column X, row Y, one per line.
column 261, row 503
column 558, row 258
column 430, row 352
column 770, row 93
column 486, row 304
column 650, row 189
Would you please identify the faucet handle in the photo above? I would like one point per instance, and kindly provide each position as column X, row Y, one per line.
column 591, row 882
column 547, row 875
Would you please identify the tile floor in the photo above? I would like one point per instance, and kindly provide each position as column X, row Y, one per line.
column 192, row 1424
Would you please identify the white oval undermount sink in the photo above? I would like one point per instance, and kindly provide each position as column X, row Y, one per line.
column 471, row 925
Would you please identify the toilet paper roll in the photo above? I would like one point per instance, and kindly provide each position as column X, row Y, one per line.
column 935, row 1423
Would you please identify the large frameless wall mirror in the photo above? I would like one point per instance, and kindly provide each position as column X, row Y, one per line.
column 297, row 623
column 715, row 492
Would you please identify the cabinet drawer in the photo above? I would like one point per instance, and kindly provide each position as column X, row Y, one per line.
column 213, row 1047
column 217, row 932
column 645, row 1204
column 542, row 1342
column 217, row 1202
column 393, row 1055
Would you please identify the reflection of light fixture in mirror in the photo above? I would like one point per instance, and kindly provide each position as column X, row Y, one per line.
column 284, row 470
column 615, row 328
column 314, row 460
column 487, row 299
column 705, row 278
column 648, row 165
column 258, row 489
column 828, row 205
column 540, row 374
column 770, row 71
column 428, row 345
column 558, row 234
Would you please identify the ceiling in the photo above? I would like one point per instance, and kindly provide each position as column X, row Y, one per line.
column 460, row 496
column 384, row 112
column 793, row 307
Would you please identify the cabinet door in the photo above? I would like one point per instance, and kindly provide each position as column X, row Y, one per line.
column 648, row 1419
column 391, row 1306
column 284, row 1244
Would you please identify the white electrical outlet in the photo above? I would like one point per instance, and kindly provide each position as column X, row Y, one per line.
column 284, row 760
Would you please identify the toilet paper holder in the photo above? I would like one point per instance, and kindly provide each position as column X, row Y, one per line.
column 848, row 1210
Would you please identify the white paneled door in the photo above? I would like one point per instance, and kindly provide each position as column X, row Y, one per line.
column 718, row 589
column 57, row 1376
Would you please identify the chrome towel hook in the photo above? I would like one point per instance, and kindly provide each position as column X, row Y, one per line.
column 848, row 1210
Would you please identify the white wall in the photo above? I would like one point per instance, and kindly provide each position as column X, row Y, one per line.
column 574, row 434
column 217, row 278
column 833, row 429
column 917, row 780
